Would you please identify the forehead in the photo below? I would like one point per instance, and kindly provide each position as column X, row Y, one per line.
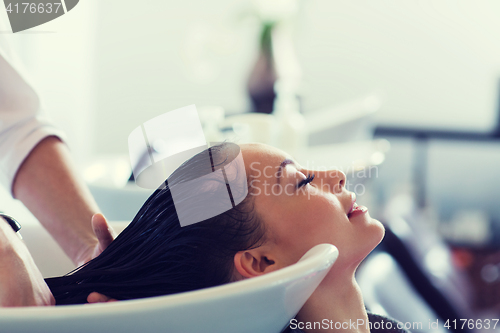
column 260, row 156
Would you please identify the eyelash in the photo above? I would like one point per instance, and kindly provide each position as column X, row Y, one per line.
column 306, row 181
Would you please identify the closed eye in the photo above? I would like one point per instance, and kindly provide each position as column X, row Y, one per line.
column 305, row 181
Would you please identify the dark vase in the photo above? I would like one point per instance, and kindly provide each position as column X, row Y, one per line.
column 263, row 76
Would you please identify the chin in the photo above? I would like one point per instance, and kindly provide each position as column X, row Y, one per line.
column 372, row 238
column 379, row 231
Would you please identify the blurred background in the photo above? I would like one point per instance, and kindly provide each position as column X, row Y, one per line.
column 403, row 95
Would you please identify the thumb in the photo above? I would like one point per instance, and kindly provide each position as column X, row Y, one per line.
column 103, row 231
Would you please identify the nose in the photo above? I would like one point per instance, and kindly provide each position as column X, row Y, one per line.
column 339, row 180
column 334, row 180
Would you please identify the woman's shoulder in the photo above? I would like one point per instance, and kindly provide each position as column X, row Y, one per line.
column 377, row 324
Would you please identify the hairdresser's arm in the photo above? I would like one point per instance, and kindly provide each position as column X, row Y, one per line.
column 46, row 183
column 21, row 283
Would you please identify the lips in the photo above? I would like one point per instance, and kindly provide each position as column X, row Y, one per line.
column 353, row 203
column 355, row 208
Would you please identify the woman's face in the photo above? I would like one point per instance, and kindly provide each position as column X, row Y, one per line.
column 299, row 214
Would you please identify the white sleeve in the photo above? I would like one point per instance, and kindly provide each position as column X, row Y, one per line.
column 21, row 125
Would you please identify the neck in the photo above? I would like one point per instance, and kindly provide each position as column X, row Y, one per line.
column 337, row 304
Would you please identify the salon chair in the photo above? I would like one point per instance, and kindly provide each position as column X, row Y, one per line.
column 263, row 304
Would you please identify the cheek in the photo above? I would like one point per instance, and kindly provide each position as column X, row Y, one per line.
column 327, row 213
column 332, row 226
column 297, row 223
column 314, row 221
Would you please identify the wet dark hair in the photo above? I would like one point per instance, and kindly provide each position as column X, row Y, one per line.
column 155, row 256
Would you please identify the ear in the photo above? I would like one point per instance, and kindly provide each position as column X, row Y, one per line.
column 252, row 263
column 96, row 297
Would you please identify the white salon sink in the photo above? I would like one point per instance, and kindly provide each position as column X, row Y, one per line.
column 263, row 304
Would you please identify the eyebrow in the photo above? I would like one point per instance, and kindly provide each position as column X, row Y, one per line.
column 280, row 168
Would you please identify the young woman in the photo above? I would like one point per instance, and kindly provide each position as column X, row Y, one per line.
column 287, row 211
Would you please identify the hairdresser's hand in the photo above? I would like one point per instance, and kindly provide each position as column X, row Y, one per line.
column 21, row 283
column 105, row 235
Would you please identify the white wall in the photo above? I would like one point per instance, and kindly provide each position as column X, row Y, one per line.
column 436, row 61
column 107, row 66
column 58, row 57
column 162, row 55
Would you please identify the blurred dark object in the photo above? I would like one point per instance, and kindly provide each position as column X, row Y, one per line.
column 263, row 75
column 483, row 268
column 412, row 276
column 430, row 291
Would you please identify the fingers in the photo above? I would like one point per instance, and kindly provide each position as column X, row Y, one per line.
column 96, row 297
column 103, row 231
